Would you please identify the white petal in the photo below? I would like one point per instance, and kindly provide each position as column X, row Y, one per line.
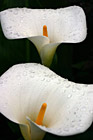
column 30, row 131
column 39, row 42
column 64, row 24
column 26, row 131
column 46, row 50
column 47, row 53
column 36, row 132
column 25, row 87
column 75, row 115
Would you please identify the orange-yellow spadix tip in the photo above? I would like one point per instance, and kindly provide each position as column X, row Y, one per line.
column 41, row 114
column 45, row 32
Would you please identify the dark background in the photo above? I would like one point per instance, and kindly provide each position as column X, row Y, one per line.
column 74, row 61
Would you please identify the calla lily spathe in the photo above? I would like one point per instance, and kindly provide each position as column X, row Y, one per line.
column 64, row 25
column 25, row 87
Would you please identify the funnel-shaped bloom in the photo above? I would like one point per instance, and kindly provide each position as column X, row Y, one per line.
column 46, row 28
column 66, row 107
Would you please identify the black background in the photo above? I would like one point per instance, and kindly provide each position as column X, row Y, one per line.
column 74, row 61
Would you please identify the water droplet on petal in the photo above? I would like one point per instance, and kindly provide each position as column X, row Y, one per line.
column 77, row 128
column 59, row 81
column 75, row 113
column 28, row 10
column 42, row 79
column 79, row 120
column 69, row 95
column 25, row 73
column 32, row 75
column 91, row 111
column 59, row 130
column 81, row 125
column 1, row 82
column 44, row 16
column 17, row 34
column 15, row 12
column 78, row 87
column 4, row 13
column 85, row 85
column 9, row 27
column 18, row 76
column 83, row 93
column 21, row 21
column 73, row 90
column 21, row 17
column 48, row 80
column 72, row 123
column 66, row 129
column 67, row 85
column 10, row 10
column 84, row 108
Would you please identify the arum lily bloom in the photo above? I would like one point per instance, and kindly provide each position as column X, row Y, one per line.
column 40, row 101
column 46, row 28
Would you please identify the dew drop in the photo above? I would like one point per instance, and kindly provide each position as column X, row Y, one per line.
column 84, row 108
column 91, row 111
column 77, row 128
column 72, row 123
column 19, row 83
column 79, row 120
column 10, row 10
column 65, row 80
column 15, row 12
column 68, row 106
column 26, row 66
column 10, row 33
column 83, row 93
column 4, row 13
column 81, row 125
column 73, row 89
column 9, row 27
column 75, row 113
column 28, row 10
column 78, row 87
column 66, row 129
column 25, row 73
column 42, row 79
column 1, row 82
column 4, row 106
column 59, row 130
column 67, row 85
column 23, row 10
column 31, row 72
column 48, row 80
column 69, row 95
column 32, row 76
column 6, row 30
column 18, row 76
column 50, row 12
column 44, row 16
column 21, row 21
column 85, row 85
column 59, row 81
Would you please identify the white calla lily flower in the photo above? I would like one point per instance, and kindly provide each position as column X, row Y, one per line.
column 46, row 28
column 66, row 107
